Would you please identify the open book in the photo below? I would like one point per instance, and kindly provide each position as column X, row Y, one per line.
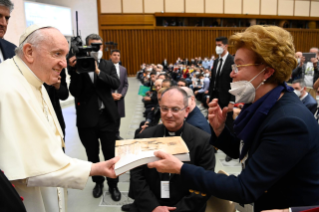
column 136, row 152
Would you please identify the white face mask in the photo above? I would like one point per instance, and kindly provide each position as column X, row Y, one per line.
column 219, row 50
column 317, row 98
column 298, row 93
column 202, row 81
column 97, row 55
column 244, row 91
column 298, row 60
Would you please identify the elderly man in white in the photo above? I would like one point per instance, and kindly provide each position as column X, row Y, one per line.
column 31, row 138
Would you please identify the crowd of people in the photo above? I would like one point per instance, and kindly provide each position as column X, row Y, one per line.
column 253, row 116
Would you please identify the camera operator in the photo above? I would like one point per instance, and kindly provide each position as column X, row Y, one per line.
column 97, row 115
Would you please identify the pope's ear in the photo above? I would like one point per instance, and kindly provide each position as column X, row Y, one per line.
column 28, row 52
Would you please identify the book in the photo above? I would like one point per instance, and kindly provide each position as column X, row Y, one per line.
column 143, row 90
column 136, row 152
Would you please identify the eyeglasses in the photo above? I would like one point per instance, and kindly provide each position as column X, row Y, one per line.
column 173, row 109
column 235, row 67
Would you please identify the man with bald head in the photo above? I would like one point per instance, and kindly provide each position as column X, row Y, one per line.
column 6, row 48
column 147, row 182
column 31, row 138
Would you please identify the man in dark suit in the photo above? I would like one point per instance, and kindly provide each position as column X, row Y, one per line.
column 97, row 114
column 119, row 94
column 57, row 92
column 300, row 90
column 220, row 81
column 147, row 182
column 6, row 48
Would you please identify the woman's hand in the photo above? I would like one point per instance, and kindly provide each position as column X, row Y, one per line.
column 217, row 116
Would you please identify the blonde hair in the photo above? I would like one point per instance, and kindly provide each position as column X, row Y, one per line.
column 273, row 47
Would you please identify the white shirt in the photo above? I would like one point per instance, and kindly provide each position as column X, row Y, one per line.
column 302, row 98
column 117, row 67
column 224, row 59
column 309, row 72
column 1, row 57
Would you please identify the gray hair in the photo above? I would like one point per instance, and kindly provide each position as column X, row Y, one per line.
column 35, row 39
column 301, row 82
column 92, row 37
column 8, row 4
column 185, row 98
column 189, row 91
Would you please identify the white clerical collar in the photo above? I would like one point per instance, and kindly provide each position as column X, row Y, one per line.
column 28, row 73
column 171, row 133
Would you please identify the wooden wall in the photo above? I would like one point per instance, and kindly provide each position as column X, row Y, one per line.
column 153, row 45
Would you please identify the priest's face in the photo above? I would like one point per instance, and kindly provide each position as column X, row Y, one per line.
column 173, row 110
column 50, row 56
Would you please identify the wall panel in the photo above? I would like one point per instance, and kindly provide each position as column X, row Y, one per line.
column 286, row 7
column 214, row 6
column 233, row 7
column 268, row 7
column 153, row 45
column 153, row 6
column 251, row 7
column 194, row 6
column 314, row 12
column 111, row 6
column 302, row 8
column 175, row 6
column 132, row 6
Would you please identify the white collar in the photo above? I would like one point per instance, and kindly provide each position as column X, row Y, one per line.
column 302, row 98
column 224, row 57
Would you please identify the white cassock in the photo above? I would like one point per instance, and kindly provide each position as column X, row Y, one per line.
column 31, row 142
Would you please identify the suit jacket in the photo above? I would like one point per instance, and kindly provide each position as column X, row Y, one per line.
column 7, row 49
column 310, row 103
column 87, row 93
column 147, row 181
column 220, row 90
column 282, row 169
column 197, row 119
column 122, row 89
column 56, row 95
column 305, row 209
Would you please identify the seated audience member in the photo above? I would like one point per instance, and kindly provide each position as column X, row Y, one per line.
column 147, row 182
column 206, row 63
column 276, row 138
column 195, row 116
column 167, row 83
column 182, row 83
column 151, row 101
column 300, row 90
column 162, row 76
column 200, row 94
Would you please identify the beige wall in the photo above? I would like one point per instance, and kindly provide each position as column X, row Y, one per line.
column 251, row 7
column 286, row 7
column 16, row 23
column 233, row 7
column 302, row 8
column 175, row 6
column 314, row 12
column 268, row 7
column 132, row 6
column 214, row 6
column 111, row 6
column 194, row 6
column 152, row 6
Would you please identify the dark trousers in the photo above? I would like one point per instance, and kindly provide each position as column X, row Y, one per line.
column 105, row 131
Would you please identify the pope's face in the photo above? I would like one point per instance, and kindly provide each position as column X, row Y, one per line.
column 50, row 56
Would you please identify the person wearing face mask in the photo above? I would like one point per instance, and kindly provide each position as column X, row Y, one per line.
column 96, row 110
column 275, row 137
column 220, row 81
column 300, row 90
column 201, row 92
column 206, row 63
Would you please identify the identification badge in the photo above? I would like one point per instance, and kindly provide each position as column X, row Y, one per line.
column 165, row 189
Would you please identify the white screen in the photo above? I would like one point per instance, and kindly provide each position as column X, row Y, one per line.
column 59, row 17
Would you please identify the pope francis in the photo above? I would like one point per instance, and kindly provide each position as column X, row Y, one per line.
column 31, row 139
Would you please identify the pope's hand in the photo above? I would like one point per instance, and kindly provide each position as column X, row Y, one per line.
column 167, row 164
column 105, row 168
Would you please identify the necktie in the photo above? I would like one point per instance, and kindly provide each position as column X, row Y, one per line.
column 218, row 71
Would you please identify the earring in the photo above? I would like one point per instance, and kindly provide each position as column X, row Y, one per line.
column 263, row 81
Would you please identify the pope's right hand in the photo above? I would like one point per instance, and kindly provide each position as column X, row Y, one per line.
column 72, row 61
column 105, row 168
column 217, row 116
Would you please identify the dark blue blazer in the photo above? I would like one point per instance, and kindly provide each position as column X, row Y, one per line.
column 310, row 103
column 282, row 169
column 197, row 119
column 7, row 49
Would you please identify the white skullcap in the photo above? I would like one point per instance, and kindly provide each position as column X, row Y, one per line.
column 29, row 30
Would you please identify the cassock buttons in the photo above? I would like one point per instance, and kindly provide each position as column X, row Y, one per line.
column 196, row 192
column 191, row 191
column 204, row 195
column 21, row 198
column 13, row 185
column 266, row 191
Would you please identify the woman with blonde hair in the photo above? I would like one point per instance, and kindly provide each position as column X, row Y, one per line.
column 276, row 138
